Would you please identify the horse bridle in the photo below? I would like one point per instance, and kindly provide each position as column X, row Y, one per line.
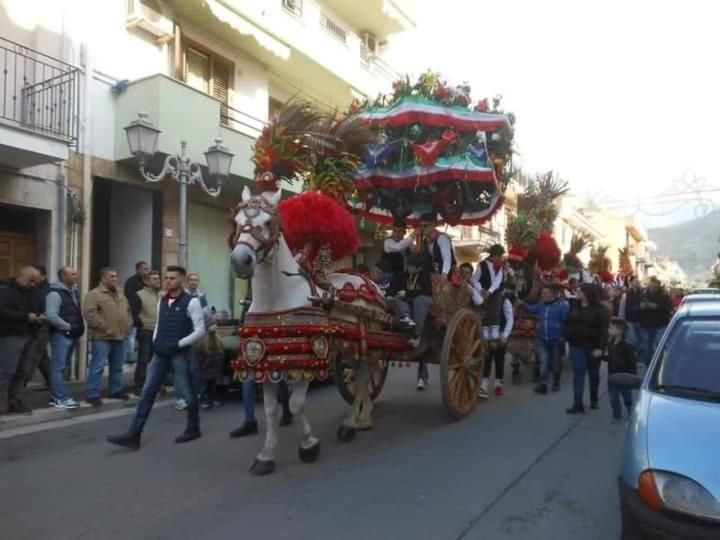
column 252, row 209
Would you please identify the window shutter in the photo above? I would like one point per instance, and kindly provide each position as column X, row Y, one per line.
column 221, row 81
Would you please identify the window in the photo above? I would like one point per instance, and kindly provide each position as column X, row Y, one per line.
column 334, row 28
column 208, row 73
column 274, row 108
column 294, row 6
column 689, row 361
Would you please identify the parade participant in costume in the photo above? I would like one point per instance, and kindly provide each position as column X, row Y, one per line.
column 496, row 356
column 398, row 246
column 179, row 325
column 438, row 246
column 488, row 281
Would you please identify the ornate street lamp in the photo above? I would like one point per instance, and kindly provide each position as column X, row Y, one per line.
column 142, row 138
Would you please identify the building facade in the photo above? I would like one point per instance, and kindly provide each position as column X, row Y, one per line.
column 75, row 74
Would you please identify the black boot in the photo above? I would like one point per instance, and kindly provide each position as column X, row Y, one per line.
column 541, row 389
column 129, row 440
column 556, row 386
column 594, row 404
column 248, row 427
column 287, row 419
column 190, row 434
column 577, row 408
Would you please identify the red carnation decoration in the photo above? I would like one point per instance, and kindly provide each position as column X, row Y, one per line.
column 517, row 253
column 606, row 276
column 314, row 219
column 547, row 252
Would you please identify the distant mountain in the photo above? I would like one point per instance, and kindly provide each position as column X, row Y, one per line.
column 693, row 244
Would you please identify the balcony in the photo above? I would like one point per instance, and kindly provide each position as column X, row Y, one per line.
column 299, row 43
column 39, row 106
column 184, row 113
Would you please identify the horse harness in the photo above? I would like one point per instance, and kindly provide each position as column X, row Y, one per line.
column 252, row 209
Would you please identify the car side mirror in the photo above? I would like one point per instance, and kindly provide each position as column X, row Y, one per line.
column 627, row 381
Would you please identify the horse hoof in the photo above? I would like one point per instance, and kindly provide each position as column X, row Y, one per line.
column 261, row 467
column 346, row 433
column 309, row 455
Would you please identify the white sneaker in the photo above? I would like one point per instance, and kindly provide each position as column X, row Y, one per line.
column 66, row 404
column 181, row 405
column 483, row 392
column 421, row 385
column 407, row 321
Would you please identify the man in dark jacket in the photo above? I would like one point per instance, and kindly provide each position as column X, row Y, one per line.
column 621, row 359
column 63, row 312
column 17, row 322
column 41, row 338
column 630, row 308
column 133, row 284
column 653, row 316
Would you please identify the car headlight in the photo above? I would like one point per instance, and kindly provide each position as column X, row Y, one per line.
column 678, row 493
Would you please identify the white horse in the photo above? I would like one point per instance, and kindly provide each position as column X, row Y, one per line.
column 260, row 253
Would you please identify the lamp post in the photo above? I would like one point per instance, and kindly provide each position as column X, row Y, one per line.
column 142, row 138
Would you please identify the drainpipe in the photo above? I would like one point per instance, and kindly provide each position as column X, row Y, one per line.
column 61, row 221
column 86, row 200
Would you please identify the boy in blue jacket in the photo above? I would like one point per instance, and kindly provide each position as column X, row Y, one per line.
column 551, row 312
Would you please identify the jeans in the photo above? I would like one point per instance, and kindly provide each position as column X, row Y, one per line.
column 648, row 340
column 130, row 343
column 631, row 336
column 61, row 350
column 41, row 360
column 248, row 395
column 548, row 354
column 182, row 363
column 25, row 369
column 185, row 380
column 104, row 350
column 584, row 362
column 417, row 308
column 11, row 351
column 615, row 392
column 145, row 351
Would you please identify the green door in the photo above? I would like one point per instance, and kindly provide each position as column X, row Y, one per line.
column 209, row 256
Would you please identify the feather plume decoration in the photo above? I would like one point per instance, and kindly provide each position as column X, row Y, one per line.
column 338, row 143
column 599, row 261
column 285, row 147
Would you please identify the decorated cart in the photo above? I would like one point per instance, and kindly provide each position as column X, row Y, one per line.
column 307, row 321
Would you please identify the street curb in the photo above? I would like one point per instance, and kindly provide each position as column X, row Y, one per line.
column 50, row 414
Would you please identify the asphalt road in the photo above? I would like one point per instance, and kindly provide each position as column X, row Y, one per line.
column 518, row 468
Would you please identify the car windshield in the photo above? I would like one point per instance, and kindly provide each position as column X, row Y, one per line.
column 689, row 363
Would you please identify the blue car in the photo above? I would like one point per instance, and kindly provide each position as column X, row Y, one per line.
column 670, row 479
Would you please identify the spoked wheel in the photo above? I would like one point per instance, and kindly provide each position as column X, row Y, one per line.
column 461, row 363
column 345, row 379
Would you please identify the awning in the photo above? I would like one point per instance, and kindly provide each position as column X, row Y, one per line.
column 246, row 28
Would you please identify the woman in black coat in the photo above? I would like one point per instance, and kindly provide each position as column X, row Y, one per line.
column 586, row 331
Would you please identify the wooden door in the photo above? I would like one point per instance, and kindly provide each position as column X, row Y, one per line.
column 16, row 251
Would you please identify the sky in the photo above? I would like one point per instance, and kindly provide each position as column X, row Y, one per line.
column 620, row 97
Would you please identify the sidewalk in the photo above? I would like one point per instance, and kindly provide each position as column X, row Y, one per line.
column 37, row 398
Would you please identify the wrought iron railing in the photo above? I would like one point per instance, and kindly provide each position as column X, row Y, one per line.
column 239, row 120
column 39, row 92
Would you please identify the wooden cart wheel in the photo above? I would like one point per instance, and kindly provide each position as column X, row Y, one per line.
column 345, row 379
column 461, row 363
